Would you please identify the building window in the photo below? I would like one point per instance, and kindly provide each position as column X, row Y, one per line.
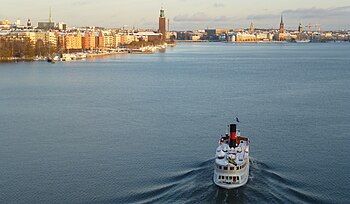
column 232, row 168
column 225, row 168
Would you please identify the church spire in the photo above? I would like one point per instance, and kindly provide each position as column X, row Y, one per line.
column 282, row 25
column 252, row 29
column 281, row 19
column 50, row 17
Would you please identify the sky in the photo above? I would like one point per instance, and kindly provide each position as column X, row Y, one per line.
column 183, row 14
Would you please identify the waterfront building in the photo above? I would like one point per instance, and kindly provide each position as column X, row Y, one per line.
column 48, row 38
column 148, row 36
column 262, row 36
column 61, row 26
column 88, row 40
column 116, row 40
column 99, row 41
column 29, row 24
column 71, row 41
column 127, row 38
column 92, row 43
column 162, row 23
column 231, row 37
column 46, row 25
column 190, row 35
column 245, row 37
column 210, row 34
column 18, row 23
column 172, row 35
column 108, row 39
column 5, row 22
column 221, row 31
column 195, row 37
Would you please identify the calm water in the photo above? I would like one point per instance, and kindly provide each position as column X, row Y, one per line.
column 144, row 128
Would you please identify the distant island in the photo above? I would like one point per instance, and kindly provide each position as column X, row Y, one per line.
column 57, row 41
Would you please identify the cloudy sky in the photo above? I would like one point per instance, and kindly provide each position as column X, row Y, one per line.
column 183, row 14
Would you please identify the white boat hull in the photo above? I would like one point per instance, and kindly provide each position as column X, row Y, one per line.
column 231, row 166
column 225, row 185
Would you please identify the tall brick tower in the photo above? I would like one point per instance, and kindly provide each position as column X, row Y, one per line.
column 162, row 24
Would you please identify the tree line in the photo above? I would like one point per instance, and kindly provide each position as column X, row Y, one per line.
column 23, row 48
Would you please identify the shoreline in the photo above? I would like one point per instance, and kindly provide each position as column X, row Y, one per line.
column 96, row 55
column 88, row 55
column 105, row 54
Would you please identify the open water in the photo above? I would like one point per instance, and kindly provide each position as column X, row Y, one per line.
column 144, row 128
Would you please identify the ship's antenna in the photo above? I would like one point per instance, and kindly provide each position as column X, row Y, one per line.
column 237, row 120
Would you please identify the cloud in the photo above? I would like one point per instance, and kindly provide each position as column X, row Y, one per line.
column 262, row 16
column 307, row 13
column 201, row 17
column 82, row 3
column 314, row 12
column 217, row 5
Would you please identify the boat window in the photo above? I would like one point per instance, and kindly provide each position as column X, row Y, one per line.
column 238, row 178
column 219, row 177
column 230, row 178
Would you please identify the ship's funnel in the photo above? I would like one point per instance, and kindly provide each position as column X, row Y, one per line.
column 233, row 135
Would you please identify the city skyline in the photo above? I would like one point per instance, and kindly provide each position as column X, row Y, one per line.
column 183, row 14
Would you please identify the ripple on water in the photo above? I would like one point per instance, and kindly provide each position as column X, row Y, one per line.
column 195, row 185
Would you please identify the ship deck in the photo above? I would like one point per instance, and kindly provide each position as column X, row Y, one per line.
column 232, row 164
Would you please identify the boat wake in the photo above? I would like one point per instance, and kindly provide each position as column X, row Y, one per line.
column 195, row 184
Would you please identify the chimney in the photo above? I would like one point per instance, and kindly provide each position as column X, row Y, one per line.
column 233, row 135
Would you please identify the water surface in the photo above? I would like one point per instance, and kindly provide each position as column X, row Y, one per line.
column 144, row 128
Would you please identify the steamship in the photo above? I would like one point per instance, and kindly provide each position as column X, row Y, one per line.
column 231, row 169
